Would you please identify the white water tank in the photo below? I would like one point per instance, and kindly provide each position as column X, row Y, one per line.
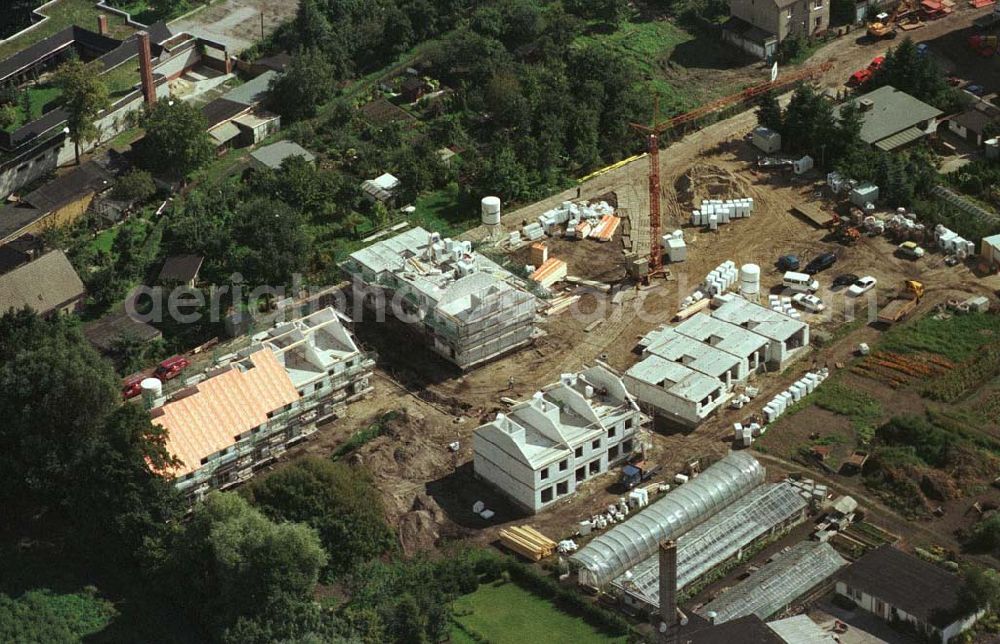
column 491, row 211
column 152, row 391
column 750, row 279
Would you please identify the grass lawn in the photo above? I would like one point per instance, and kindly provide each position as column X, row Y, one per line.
column 956, row 338
column 122, row 79
column 863, row 410
column 507, row 614
column 147, row 12
column 105, row 239
column 648, row 45
column 447, row 211
column 62, row 15
column 42, row 615
column 39, row 96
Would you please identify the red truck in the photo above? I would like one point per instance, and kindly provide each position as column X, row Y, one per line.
column 131, row 386
column 171, row 367
column 862, row 76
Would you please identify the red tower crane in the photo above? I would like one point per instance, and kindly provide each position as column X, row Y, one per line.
column 654, row 131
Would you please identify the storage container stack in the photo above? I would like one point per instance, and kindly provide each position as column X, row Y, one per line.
column 950, row 242
column 801, row 388
column 722, row 278
column 721, row 212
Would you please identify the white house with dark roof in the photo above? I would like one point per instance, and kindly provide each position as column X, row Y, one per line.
column 569, row 432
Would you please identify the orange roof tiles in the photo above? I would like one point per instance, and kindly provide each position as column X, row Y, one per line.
column 222, row 407
column 605, row 230
column 550, row 272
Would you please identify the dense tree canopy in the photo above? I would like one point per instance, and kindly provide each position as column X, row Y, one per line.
column 337, row 500
column 908, row 71
column 176, row 142
column 84, row 96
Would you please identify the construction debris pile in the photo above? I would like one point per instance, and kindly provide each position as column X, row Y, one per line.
column 713, row 212
column 582, row 220
column 802, row 387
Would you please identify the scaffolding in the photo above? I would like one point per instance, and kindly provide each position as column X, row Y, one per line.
column 770, row 589
column 629, row 543
column 764, row 510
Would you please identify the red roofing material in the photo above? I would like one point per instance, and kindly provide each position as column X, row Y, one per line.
column 605, row 230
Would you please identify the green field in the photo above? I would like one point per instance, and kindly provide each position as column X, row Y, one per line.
column 62, row 15
column 447, row 211
column 46, row 616
column 649, row 45
column 507, row 614
column 956, row 338
column 39, row 96
column 121, row 80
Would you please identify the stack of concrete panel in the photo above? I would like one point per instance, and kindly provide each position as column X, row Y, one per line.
column 722, row 211
column 783, row 305
column 533, row 232
column 572, row 214
column 674, row 247
column 950, row 242
column 722, row 278
column 796, row 392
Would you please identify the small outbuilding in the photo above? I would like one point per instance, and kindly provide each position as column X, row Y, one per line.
column 766, row 140
column 990, row 249
column 270, row 157
column 181, row 270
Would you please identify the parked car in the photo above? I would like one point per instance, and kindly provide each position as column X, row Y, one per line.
column 820, row 263
column 809, row 302
column 171, row 367
column 975, row 90
column 131, row 387
column 923, row 49
column 845, row 279
column 862, row 286
column 788, row 263
column 799, row 282
column 911, row 250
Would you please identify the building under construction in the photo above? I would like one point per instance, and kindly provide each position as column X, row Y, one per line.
column 469, row 308
column 228, row 422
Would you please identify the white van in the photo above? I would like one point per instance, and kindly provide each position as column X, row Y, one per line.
column 800, row 282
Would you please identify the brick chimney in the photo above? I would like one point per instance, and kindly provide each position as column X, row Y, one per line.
column 671, row 617
column 146, row 69
column 102, row 24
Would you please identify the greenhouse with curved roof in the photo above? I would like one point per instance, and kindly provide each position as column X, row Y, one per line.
column 635, row 540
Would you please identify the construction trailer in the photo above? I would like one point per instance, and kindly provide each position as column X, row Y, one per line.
column 468, row 308
column 226, row 423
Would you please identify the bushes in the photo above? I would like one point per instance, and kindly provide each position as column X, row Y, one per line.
column 985, row 536
column 566, row 599
column 965, row 378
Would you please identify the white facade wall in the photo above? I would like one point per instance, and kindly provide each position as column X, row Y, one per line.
column 674, row 407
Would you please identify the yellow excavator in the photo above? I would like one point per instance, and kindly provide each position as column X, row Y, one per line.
column 884, row 25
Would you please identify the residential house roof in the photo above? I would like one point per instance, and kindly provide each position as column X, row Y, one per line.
column 221, row 110
column 224, row 132
column 801, row 630
column 723, row 335
column 67, row 37
column 903, row 581
column 181, row 268
column 106, row 331
column 892, row 111
column 273, row 155
column 977, row 117
column 759, row 319
column 252, row 92
column 45, row 284
column 277, row 62
column 211, row 415
column 745, row 630
column 671, row 345
column 68, row 187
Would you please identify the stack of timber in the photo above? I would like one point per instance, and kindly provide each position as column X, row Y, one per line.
column 527, row 542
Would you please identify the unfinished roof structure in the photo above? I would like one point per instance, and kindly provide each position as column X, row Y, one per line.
column 667, row 343
column 674, row 391
column 733, row 339
column 271, row 394
column 681, row 509
column 470, row 308
column 787, row 576
column 761, row 511
column 534, row 452
column 786, row 335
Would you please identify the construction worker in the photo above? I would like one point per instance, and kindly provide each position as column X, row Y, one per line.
column 510, row 383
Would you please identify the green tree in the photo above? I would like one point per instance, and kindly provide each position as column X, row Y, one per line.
column 985, row 536
column 176, row 142
column 769, row 112
column 269, row 241
column 307, row 83
column 84, row 96
column 134, row 185
column 312, row 27
column 230, row 561
column 980, row 589
column 8, row 116
column 338, row 500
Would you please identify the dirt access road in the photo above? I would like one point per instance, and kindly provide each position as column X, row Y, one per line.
column 236, row 23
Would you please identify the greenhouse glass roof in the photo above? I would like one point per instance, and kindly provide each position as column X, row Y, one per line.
column 683, row 508
column 706, row 546
column 778, row 584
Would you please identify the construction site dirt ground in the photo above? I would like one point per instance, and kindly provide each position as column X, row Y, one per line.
column 236, row 23
column 429, row 490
